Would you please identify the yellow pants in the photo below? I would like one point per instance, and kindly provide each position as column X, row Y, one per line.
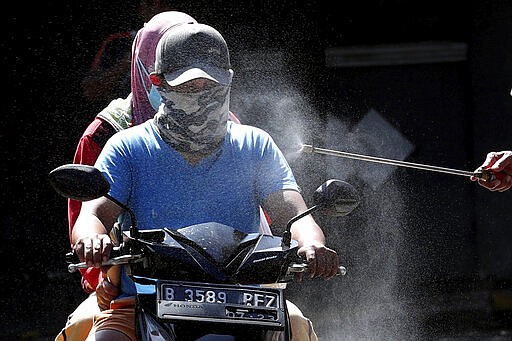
column 80, row 321
column 87, row 314
column 302, row 327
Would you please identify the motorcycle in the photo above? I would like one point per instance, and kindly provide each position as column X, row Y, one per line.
column 208, row 281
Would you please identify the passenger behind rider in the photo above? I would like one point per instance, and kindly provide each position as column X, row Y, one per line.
column 150, row 161
column 140, row 105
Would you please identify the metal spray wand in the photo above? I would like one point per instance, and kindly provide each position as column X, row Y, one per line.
column 480, row 174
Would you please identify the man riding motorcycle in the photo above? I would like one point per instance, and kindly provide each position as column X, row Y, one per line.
column 190, row 165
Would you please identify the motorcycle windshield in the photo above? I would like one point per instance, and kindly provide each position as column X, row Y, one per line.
column 218, row 240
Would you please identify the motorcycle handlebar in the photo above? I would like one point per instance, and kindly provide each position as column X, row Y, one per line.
column 126, row 259
column 112, row 261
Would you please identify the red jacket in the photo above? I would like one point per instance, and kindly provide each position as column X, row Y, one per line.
column 89, row 147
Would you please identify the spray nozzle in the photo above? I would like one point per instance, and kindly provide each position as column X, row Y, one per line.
column 306, row 148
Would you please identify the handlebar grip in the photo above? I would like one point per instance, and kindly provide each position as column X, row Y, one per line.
column 71, row 256
column 342, row 271
column 126, row 259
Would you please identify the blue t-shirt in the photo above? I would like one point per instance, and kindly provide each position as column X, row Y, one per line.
column 164, row 190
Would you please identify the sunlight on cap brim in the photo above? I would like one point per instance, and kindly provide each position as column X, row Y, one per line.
column 209, row 72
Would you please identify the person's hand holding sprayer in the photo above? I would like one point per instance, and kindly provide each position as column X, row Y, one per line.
column 499, row 163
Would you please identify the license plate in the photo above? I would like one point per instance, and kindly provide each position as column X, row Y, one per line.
column 220, row 303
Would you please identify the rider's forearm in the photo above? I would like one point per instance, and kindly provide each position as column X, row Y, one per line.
column 96, row 217
column 307, row 232
column 283, row 206
column 87, row 225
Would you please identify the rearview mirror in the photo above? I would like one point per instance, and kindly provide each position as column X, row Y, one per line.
column 79, row 182
column 336, row 198
column 84, row 183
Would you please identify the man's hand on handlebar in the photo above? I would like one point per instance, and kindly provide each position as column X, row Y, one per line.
column 322, row 261
column 94, row 250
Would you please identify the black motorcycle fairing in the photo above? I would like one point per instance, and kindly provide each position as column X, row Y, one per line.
column 213, row 252
column 173, row 260
column 218, row 240
column 267, row 262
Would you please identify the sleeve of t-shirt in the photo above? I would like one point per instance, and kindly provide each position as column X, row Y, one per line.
column 274, row 173
column 113, row 162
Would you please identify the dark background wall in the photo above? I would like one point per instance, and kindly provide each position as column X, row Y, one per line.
column 427, row 253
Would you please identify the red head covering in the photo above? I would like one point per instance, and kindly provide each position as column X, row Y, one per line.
column 143, row 48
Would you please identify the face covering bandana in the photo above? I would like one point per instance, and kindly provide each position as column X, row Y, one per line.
column 153, row 95
column 194, row 122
